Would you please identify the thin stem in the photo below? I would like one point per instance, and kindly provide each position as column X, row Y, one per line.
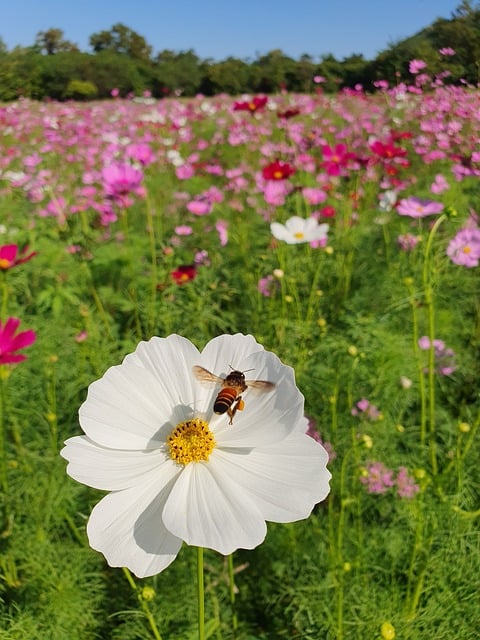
column 429, row 302
column 231, row 584
column 3, row 437
column 143, row 604
column 200, row 594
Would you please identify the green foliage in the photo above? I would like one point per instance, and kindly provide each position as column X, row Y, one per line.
column 123, row 59
column 343, row 317
column 80, row 90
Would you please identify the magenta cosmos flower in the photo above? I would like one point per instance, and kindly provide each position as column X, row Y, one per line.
column 9, row 342
column 464, row 248
column 11, row 255
column 418, row 207
column 120, row 180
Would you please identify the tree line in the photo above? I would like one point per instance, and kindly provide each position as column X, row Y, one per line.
column 55, row 68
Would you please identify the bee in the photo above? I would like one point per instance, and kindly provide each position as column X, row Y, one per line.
column 229, row 398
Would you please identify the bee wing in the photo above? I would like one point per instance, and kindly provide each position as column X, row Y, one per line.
column 203, row 375
column 260, row 386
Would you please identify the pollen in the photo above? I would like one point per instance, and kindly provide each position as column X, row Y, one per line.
column 191, row 441
column 299, row 235
column 467, row 249
column 4, row 263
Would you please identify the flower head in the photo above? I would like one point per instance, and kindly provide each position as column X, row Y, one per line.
column 120, row 180
column 278, row 170
column 9, row 342
column 256, row 104
column 464, row 248
column 11, row 255
column 414, row 207
column 297, row 230
column 184, row 273
column 415, row 66
column 179, row 472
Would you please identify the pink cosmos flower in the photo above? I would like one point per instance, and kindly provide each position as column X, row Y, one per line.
column 11, row 255
column 415, row 66
column 368, row 410
column 406, row 487
column 9, row 342
column 443, row 355
column 439, row 185
column 464, row 248
column 120, row 180
column 447, row 51
column 314, row 196
column 222, row 229
column 183, row 230
column 200, row 206
column 418, row 207
column 378, row 478
column 407, row 241
column 267, row 286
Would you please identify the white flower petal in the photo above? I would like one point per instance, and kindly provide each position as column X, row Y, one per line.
column 126, row 526
column 126, row 409
column 170, row 360
column 280, row 232
column 285, row 480
column 114, row 469
column 208, row 509
column 267, row 417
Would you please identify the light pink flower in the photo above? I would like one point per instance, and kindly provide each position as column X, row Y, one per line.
column 418, row 207
column 464, row 248
column 415, row 66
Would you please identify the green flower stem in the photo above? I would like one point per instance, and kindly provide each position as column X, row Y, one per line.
column 143, row 604
column 231, row 585
column 200, row 594
column 429, row 302
column 3, row 435
column 3, row 315
column 418, row 358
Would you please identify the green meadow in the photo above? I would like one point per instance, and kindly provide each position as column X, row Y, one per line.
column 135, row 218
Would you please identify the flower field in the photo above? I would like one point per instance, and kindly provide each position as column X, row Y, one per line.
column 342, row 233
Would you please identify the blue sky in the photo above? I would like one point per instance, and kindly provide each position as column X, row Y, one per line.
column 241, row 28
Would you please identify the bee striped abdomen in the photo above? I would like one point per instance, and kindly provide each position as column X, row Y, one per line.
column 225, row 399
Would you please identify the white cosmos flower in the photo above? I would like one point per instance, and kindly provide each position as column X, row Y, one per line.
column 297, row 230
column 226, row 481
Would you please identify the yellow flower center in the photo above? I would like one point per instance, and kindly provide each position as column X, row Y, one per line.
column 299, row 235
column 191, row 441
column 278, row 175
column 4, row 263
column 467, row 249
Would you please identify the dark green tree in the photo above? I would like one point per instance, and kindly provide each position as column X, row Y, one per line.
column 52, row 41
column 123, row 40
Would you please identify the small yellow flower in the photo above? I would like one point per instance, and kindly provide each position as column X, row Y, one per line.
column 288, row 299
column 347, row 566
column 322, row 323
column 352, row 350
column 388, row 631
column 278, row 273
column 329, row 251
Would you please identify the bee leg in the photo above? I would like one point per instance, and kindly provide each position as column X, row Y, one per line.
column 238, row 405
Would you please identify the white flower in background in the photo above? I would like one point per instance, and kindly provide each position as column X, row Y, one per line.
column 179, row 472
column 297, row 230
